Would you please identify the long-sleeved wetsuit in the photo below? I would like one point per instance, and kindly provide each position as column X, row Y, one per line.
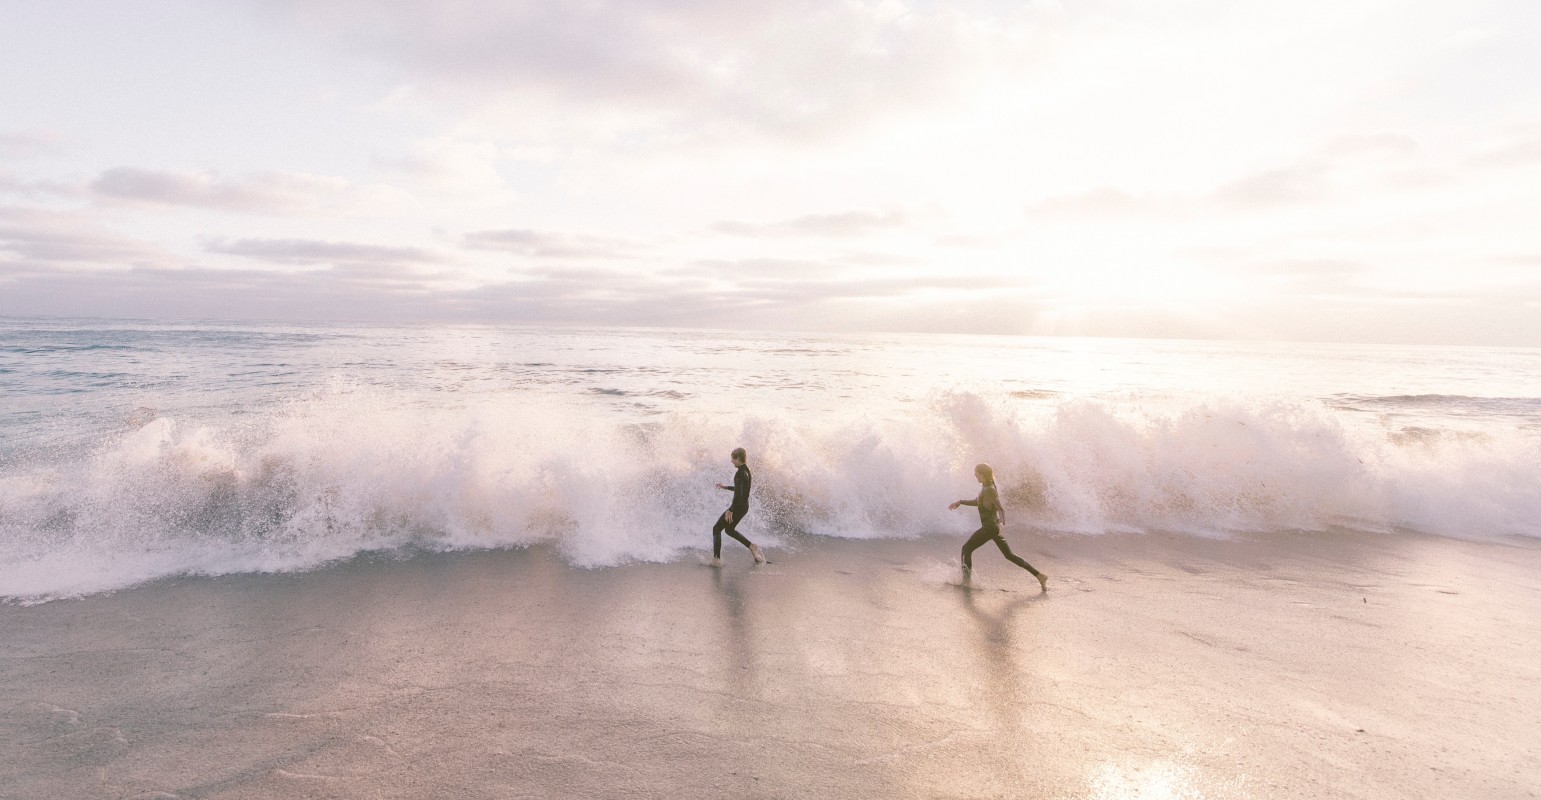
column 739, row 507
column 989, row 503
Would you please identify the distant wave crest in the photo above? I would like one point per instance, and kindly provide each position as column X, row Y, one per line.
column 1444, row 403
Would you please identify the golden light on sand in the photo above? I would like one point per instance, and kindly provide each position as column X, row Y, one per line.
column 1160, row 779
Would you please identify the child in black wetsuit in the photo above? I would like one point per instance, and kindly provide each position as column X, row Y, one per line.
column 736, row 510
column 991, row 516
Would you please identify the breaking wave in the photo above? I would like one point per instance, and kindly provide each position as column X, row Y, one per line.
column 295, row 487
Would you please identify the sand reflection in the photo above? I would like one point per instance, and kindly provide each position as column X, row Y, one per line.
column 1161, row 779
column 1005, row 698
column 738, row 653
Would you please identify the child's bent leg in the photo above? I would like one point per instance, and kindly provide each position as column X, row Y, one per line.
column 974, row 543
column 1043, row 580
column 717, row 537
column 732, row 530
column 1012, row 557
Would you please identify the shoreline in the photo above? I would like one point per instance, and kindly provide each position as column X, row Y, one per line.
column 1292, row 665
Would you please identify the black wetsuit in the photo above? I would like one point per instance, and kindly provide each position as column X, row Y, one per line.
column 739, row 507
column 990, row 530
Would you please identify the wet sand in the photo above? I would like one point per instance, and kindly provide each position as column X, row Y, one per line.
column 1295, row 666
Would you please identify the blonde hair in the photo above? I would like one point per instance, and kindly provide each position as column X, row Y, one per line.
column 987, row 472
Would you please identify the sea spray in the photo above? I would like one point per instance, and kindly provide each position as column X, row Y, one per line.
column 338, row 473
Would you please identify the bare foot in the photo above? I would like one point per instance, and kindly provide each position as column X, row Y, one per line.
column 754, row 550
column 1043, row 581
column 716, row 562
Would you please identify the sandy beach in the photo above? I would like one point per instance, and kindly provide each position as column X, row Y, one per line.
column 1300, row 666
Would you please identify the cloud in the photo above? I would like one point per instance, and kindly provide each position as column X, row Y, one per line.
column 310, row 251
column 1518, row 260
column 811, row 280
column 971, row 241
column 262, row 193
column 1518, row 151
column 1107, row 202
column 51, row 237
column 327, row 294
column 838, row 225
column 26, row 144
column 1332, row 168
column 1304, row 183
column 12, row 185
column 1311, row 277
column 734, row 268
column 1370, row 144
column 789, row 70
column 731, row 298
column 802, row 269
column 550, row 244
column 1418, row 179
column 458, row 168
column 546, row 293
column 808, row 291
column 370, row 292
column 944, row 303
column 880, row 259
column 730, row 270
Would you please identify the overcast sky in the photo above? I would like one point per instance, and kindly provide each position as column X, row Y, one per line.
column 1344, row 170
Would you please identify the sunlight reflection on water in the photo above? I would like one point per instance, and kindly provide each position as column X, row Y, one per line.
column 1161, row 779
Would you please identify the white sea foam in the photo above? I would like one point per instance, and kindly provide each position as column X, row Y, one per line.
column 298, row 486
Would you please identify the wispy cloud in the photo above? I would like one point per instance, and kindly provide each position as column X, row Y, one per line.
column 809, row 291
column 843, row 224
column 10, row 184
column 736, row 268
column 1312, row 277
column 26, row 144
column 1370, row 144
column 379, row 291
column 794, row 70
column 1518, row 260
column 209, row 293
column 1336, row 167
column 1107, row 202
column 798, row 269
column 31, row 235
column 262, row 193
column 550, row 244
column 1305, row 183
column 1518, row 150
column 310, row 251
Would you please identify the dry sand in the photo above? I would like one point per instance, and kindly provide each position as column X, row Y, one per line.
column 1300, row 666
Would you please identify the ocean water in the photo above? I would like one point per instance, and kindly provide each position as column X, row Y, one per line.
column 134, row 450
